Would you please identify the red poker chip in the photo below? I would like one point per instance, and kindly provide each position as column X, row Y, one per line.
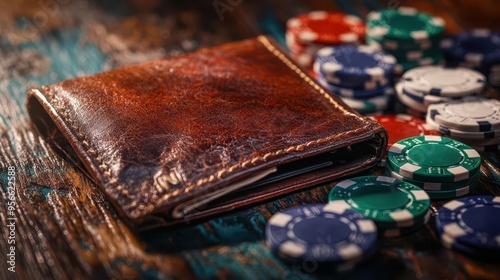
column 326, row 28
column 402, row 126
column 298, row 47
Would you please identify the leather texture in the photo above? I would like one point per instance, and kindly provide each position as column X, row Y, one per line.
column 161, row 133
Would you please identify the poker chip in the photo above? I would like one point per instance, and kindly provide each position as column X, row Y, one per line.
column 478, row 253
column 389, row 202
column 403, row 24
column 414, row 55
column 297, row 47
column 355, row 63
column 404, row 65
column 402, row 126
column 358, row 74
column 433, row 159
column 397, row 232
column 307, row 33
column 470, row 221
column 471, row 114
column 426, row 99
column 327, row 233
column 392, row 45
column 401, row 45
column 450, row 193
column 447, row 82
column 480, row 46
column 462, row 134
column 411, row 36
column 409, row 102
column 353, row 93
column 437, row 186
column 326, row 28
column 433, row 184
column 482, row 141
column 370, row 105
column 350, row 82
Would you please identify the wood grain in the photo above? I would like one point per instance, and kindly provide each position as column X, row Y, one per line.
column 65, row 227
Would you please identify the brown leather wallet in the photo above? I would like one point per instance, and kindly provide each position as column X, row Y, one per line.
column 202, row 133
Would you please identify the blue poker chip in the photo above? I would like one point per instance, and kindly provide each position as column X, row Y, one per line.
column 355, row 83
column 479, row 253
column 471, row 221
column 355, row 93
column 480, row 46
column 323, row 233
column 354, row 63
column 427, row 99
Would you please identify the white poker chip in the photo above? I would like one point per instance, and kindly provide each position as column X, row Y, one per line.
column 441, row 81
column 462, row 134
column 471, row 114
column 473, row 139
column 408, row 101
column 431, row 123
column 425, row 99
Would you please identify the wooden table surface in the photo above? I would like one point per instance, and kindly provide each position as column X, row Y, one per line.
column 64, row 226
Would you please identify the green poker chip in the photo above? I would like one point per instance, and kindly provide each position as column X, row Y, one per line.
column 432, row 54
column 369, row 105
column 405, row 65
column 433, row 159
column 449, row 194
column 435, row 186
column 396, row 232
column 403, row 24
column 402, row 45
column 389, row 202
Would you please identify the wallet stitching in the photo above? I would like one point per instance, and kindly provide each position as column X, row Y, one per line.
column 81, row 137
column 302, row 75
column 104, row 168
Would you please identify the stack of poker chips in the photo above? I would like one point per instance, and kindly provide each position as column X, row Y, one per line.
column 328, row 235
column 307, row 33
column 473, row 120
column 427, row 85
column 468, row 225
column 360, row 75
column 412, row 37
column 445, row 168
column 396, row 207
column 402, row 126
column 478, row 49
